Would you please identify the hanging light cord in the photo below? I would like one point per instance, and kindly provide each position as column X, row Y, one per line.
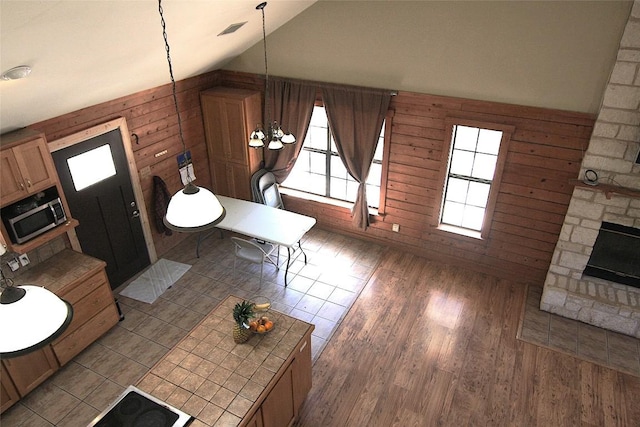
column 173, row 85
column 261, row 6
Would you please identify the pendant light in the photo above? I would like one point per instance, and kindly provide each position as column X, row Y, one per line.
column 193, row 208
column 31, row 317
column 274, row 137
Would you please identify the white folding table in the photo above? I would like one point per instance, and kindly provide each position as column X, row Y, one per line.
column 262, row 222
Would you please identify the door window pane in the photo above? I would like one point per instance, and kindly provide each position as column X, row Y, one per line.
column 91, row 167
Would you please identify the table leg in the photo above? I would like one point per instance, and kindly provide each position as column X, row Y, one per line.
column 289, row 260
column 287, row 269
column 200, row 239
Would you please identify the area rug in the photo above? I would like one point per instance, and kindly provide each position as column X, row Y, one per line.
column 580, row 340
column 155, row 280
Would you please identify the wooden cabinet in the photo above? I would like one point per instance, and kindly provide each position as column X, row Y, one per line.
column 8, row 393
column 301, row 374
column 256, row 420
column 278, row 408
column 26, row 167
column 94, row 313
column 230, row 115
column 282, row 404
column 82, row 281
column 24, row 373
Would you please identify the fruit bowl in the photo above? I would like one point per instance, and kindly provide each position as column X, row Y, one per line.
column 261, row 325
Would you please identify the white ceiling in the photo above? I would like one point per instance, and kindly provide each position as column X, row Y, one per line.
column 86, row 52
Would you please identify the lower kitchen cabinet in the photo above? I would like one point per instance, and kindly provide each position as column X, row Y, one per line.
column 94, row 313
column 81, row 281
column 256, row 420
column 28, row 371
column 8, row 393
column 277, row 409
column 281, row 406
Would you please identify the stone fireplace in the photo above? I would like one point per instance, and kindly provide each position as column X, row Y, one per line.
column 613, row 153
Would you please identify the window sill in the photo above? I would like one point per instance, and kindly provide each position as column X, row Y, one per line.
column 476, row 235
column 320, row 199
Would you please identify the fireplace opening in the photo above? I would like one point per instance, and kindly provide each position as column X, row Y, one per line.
column 616, row 255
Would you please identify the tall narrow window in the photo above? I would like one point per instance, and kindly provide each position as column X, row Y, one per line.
column 471, row 179
column 319, row 169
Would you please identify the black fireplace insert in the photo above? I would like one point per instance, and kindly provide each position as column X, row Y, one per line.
column 616, row 255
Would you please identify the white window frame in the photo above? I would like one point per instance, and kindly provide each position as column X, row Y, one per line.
column 507, row 132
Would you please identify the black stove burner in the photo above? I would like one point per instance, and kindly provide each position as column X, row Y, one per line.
column 135, row 410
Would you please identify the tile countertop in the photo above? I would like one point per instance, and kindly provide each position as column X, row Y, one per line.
column 219, row 382
column 59, row 270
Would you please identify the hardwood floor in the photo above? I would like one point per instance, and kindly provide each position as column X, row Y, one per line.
column 433, row 345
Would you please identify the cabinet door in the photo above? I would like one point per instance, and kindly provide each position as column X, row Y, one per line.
column 256, row 420
column 8, row 393
column 30, row 370
column 12, row 186
column 71, row 345
column 302, row 374
column 231, row 179
column 225, row 128
column 277, row 409
column 36, row 165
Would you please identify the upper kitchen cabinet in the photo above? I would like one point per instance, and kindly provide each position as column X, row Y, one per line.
column 26, row 165
column 230, row 115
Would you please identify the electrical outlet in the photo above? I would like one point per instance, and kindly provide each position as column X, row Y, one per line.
column 395, row 227
column 13, row 264
column 24, row 259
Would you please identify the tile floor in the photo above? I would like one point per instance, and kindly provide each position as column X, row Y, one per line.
column 320, row 292
column 587, row 342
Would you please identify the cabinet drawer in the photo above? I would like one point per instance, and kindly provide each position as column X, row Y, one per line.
column 69, row 346
column 82, row 288
column 89, row 306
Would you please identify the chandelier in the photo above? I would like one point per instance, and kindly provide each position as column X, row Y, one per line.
column 273, row 136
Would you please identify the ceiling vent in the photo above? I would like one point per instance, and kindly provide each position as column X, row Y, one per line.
column 232, row 28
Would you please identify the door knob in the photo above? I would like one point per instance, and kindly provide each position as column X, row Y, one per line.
column 135, row 214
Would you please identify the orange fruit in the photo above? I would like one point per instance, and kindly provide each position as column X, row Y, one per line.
column 261, row 329
column 253, row 325
column 268, row 325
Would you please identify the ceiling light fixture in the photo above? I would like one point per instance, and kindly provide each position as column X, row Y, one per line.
column 274, row 137
column 31, row 317
column 193, row 208
column 16, row 73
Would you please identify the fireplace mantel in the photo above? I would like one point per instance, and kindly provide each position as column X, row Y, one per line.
column 608, row 189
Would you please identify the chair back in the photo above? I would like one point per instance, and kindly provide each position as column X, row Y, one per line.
column 265, row 189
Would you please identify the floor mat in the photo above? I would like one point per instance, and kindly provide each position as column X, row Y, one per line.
column 155, row 280
column 586, row 342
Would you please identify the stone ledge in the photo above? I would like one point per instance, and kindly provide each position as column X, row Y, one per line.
column 616, row 309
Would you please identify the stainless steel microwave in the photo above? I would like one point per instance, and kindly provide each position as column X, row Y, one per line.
column 32, row 220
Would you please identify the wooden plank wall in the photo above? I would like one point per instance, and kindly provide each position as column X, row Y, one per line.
column 151, row 116
column 545, row 153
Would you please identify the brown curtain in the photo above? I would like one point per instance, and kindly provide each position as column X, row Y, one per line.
column 292, row 105
column 356, row 117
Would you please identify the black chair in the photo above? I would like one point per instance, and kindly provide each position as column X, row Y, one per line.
column 264, row 190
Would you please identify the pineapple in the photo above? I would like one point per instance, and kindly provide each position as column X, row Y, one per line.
column 242, row 312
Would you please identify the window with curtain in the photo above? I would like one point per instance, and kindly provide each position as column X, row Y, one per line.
column 319, row 170
column 477, row 152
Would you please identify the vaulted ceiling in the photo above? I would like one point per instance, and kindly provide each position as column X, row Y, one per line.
column 555, row 54
column 86, row 52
